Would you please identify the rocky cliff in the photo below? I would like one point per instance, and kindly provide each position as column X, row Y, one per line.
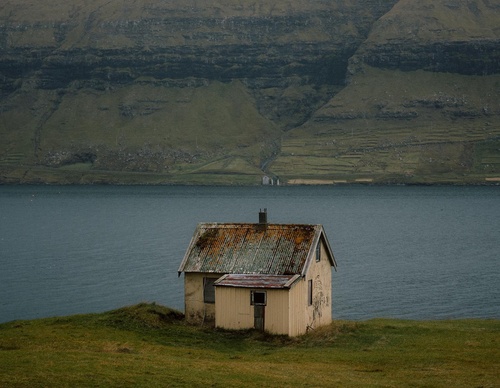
column 227, row 92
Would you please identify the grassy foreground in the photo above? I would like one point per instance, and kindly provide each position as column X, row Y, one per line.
column 150, row 345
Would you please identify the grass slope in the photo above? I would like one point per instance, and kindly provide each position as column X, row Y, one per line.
column 149, row 345
column 393, row 126
column 431, row 20
column 138, row 134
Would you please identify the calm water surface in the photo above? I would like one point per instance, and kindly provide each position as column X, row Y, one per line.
column 402, row 252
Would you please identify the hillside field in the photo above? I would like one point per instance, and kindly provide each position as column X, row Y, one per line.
column 150, row 345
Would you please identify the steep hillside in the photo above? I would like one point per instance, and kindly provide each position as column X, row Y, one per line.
column 421, row 104
column 225, row 92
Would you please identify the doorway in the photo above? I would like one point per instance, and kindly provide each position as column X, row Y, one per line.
column 259, row 301
column 258, row 317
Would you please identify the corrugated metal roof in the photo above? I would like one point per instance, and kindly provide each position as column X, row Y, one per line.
column 274, row 249
column 257, row 281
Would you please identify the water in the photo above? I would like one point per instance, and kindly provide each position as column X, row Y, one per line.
column 402, row 252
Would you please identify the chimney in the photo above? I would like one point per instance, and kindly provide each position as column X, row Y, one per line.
column 263, row 218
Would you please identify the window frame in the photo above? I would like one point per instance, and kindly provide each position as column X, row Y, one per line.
column 309, row 292
column 209, row 293
column 258, row 303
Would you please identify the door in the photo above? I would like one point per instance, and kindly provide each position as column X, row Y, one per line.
column 258, row 317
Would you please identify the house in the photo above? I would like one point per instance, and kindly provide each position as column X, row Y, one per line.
column 272, row 277
column 270, row 181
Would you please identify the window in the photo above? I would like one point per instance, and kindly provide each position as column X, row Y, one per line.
column 310, row 292
column 209, row 290
column 258, row 298
column 318, row 251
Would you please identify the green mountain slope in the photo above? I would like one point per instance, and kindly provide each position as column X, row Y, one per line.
column 421, row 104
column 227, row 92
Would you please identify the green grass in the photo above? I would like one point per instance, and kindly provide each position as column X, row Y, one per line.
column 150, row 345
column 12, row 159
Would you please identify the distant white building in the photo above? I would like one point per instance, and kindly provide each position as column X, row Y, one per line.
column 269, row 181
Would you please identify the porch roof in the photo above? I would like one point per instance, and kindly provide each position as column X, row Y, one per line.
column 257, row 281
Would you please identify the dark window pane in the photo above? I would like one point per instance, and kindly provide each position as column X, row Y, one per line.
column 209, row 290
column 259, row 298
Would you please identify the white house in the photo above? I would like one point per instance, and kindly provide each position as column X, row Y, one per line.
column 272, row 277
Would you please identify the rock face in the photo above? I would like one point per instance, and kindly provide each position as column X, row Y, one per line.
column 444, row 36
column 191, row 92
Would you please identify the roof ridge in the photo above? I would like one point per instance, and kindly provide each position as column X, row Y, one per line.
column 254, row 224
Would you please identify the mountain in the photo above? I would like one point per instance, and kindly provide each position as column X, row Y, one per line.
column 226, row 92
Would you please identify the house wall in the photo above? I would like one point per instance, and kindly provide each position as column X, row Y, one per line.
column 320, row 312
column 195, row 309
column 298, row 305
column 234, row 310
column 276, row 320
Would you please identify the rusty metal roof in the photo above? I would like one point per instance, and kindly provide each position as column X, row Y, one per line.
column 273, row 249
column 257, row 281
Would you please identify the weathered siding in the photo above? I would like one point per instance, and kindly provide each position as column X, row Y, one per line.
column 233, row 310
column 320, row 312
column 195, row 309
column 277, row 312
column 298, row 307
